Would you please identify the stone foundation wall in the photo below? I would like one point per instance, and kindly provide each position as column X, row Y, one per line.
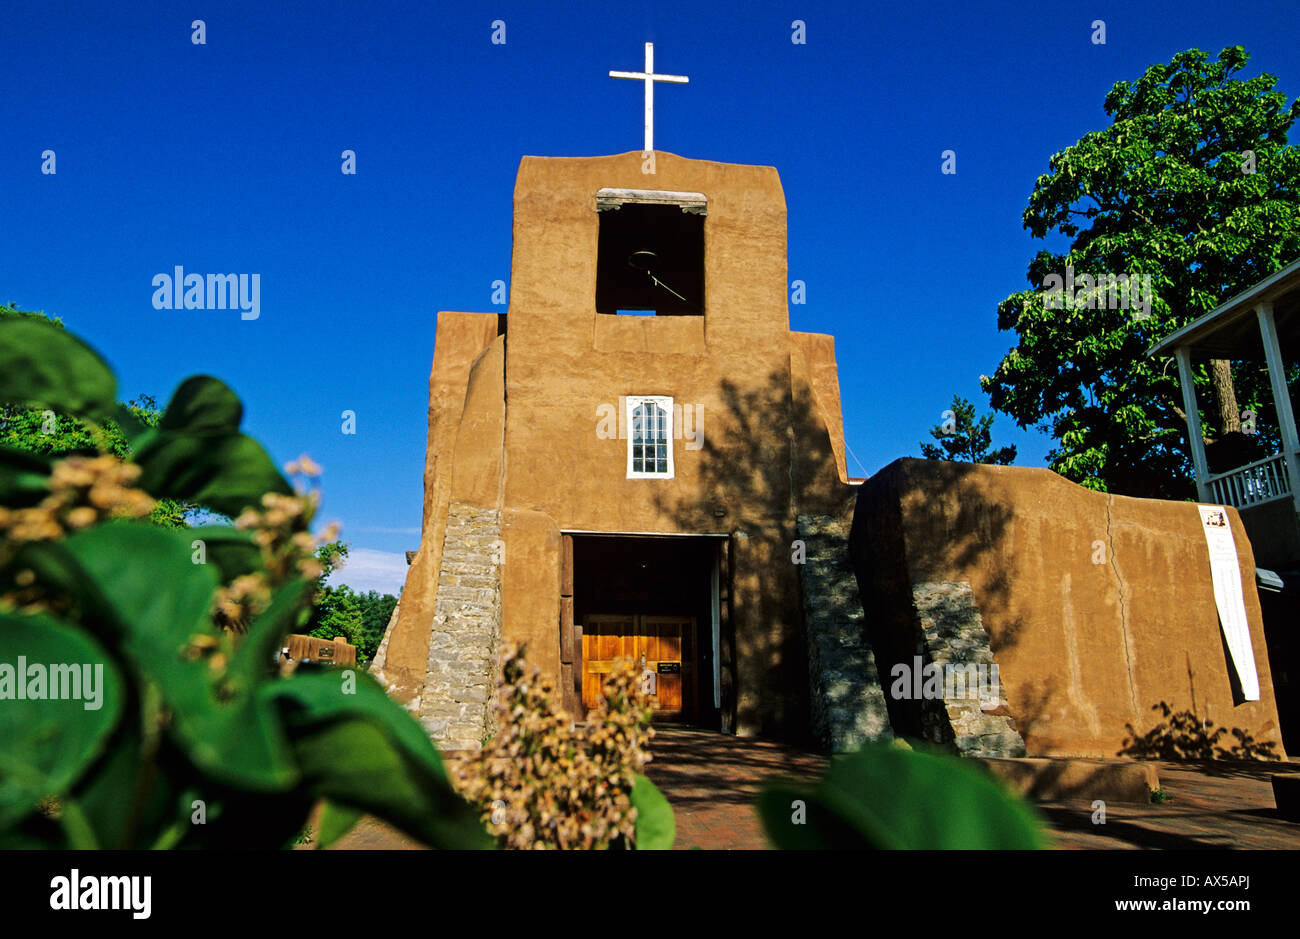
column 971, row 716
column 848, row 704
column 455, row 704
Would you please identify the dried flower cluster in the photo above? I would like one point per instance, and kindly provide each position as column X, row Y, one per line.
column 83, row 492
column 543, row 782
column 281, row 532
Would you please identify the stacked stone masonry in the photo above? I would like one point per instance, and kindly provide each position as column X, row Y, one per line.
column 455, row 705
column 971, row 715
column 848, row 703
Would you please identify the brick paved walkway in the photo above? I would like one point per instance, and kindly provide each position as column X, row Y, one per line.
column 712, row 779
column 1212, row 805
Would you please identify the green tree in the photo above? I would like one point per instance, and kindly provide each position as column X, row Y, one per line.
column 47, row 432
column 1193, row 184
column 331, row 557
column 377, row 611
column 339, row 612
column 360, row 618
column 11, row 311
column 966, row 437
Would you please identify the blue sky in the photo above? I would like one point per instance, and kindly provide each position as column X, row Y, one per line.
column 225, row 157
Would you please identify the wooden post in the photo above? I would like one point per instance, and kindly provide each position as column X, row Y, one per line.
column 568, row 677
column 1281, row 398
column 579, row 711
column 727, row 639
column 715, row 627
column 1195, row 437
column 566, row 630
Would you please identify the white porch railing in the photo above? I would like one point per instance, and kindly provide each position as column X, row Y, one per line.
column 1252, row 484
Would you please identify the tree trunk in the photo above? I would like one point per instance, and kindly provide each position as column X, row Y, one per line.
column 1225, row 396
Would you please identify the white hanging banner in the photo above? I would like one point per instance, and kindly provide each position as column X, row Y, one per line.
column 1226, row 572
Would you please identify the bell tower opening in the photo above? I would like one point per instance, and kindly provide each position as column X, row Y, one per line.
column 650, row 257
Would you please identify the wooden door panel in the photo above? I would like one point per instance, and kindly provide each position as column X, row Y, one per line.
column 659, row 647
column 610, row 644
column 645, row 645
column 671, row 634
column 604, row 639
column 652, row 639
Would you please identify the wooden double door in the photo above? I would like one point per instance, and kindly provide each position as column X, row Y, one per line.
column 662, row 647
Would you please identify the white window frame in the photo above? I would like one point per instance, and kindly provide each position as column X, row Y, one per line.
column 632, row 403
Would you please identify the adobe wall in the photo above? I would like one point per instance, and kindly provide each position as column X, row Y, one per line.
column 766, row 448
column 1098, row 607
column 823, row 377
column 461, row 339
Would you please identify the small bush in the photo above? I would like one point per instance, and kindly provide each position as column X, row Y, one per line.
column 544, row 782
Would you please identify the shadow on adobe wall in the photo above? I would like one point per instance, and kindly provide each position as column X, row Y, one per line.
column 1182, row 735
column 917, row 521
column 765, row 457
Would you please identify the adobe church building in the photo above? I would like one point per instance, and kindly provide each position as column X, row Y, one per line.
column 602, row 484
column 642, row 459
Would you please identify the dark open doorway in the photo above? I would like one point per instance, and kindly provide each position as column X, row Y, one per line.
column 657, row 598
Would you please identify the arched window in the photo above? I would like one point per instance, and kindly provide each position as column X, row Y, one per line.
column 650, row 437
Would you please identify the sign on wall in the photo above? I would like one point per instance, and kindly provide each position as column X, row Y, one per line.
column 1226, row 572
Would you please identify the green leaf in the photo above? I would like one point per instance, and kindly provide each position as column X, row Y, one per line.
column 881, row 797
column 125, row 799
column 335, row 822
column 150, row 585
column 223, row 473
column 313, row 697
column 76, row 827
column 24, row 477
column 203, row 406
column 230, row 550
column 254, row 658
column 140, row 581
column 357, row 747
column 656, row 828
column 132, row 428
column 42, row 365
column 354, row 763
column 45, row 743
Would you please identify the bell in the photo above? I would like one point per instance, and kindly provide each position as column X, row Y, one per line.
column 643, row 260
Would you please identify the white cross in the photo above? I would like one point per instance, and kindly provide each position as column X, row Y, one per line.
column 649, row 77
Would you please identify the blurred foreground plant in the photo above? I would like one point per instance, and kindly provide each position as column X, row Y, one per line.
column 544, row 782
column 141, row 722
column 885, row 796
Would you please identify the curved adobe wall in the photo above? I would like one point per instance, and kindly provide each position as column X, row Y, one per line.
column 1099, row 608
column 458, row 361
